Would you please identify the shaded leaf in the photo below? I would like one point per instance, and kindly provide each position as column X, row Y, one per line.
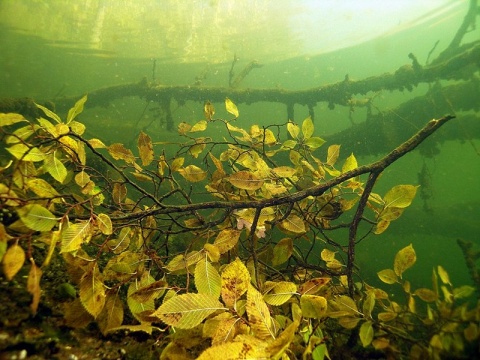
column 150, row 292
column 92, row 291
column 227, row 239
column 404, row 259
column 366, row 333
column 400, row 196
column 426, row 295
column 282, row 251
column 388, row 276
column 13, row 261
column 313, row 285
column 279, row 292
column 313, row 306
column 111, row 316
column 138, row 304
column 314, row 142
column 7, row 119
column 23, row 152
column 188, row 310
column 49, row 113
column 42, row 188
column 104, row 224
column 145, row 148
column 208, row 110
column 36, row 217
column 192, row 173
column 119, row 152
column 293, row 224
column 33, row 285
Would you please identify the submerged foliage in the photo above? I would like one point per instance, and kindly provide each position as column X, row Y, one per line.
column 233, row 248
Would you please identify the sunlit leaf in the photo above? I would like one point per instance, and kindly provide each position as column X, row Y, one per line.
column 307, row 128
column 75, row 235
column 36, row 217
column 332, row 154
column 279, row 292
column 140, row 304
column 25, row 153
column 92, row 291
column 208, row 110
column 199, row 126
column 366, row 333
column 350, row 164
column 293, row 224
column 149, row 292
column 145, row 148
column 49, row 113
column 404, row 259
column 7, row 119
column 192, row 173
column 97, row 144
column 314, row 142
column 259, row 317
column 282, row 251
column 443, row 275
column 235, row 279
column 226, row 240
column 104, row 224
column 245, row 180
column 388, row 276
column 400, row 196
column 42, row 188
column 188, row 310
column 381, row 226
column 293, row 130
column 233, row 350
column 33, row 286
column 55, row 167
column 20, row 134
column 231, row 107
column 13, row 261
column 213, row 252
column 76, row 109
column 77, row 127
column 196, row 149
column 313, row 306
column 327, row 255
column 284, row 171
column 207, row 279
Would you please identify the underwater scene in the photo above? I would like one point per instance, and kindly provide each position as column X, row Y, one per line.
column 221, row 179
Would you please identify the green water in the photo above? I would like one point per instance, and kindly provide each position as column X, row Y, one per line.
column 33, row 65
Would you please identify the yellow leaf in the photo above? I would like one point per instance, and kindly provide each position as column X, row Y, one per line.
column 104, row 224
column 231, row 107
column 119, row 192
column 390, row 213
column 235, row 279
column 388, row 276
column 350, row 164
column 282, row 251
column 314, row 142
column 188, row 310
column 97, row 144
column 10, row 119
column 42, row 188
column 233, row 351
column 111, row 316
column 381, row 226
column 25, row 153
column 332, row 154
column 33, row 285
column 207, row 279
column 400, row 196
column 192, row 173
column 199, row 126
column 145, row 148
column 49, row 113
column 245, row 180
column 307, row 128
column 313, row 306
column 75, row 235
column 443, row 275
column 208, row 110
column 196, row 149
column 404, row 259
column 149, row 292
column 293, row 130
column 77, row 128
column 426, row 295
column 92, row 291
column 138, row 304
column 327, row 255
column 36, row 217
column 313, row 285
column 279, row 292
column 13, row 261
column 366, row 333
column 82, row 179
column 119, row 152
column 387, row 316
column 212, row 251
column 284, row 171
column 226, row 240
column 259, row 317
column 76, row 109
column 293, row 224
column 368, row 304
column 278, row 347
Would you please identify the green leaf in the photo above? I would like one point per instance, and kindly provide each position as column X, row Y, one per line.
column 314, row 142
column 49, row 113
column 366, row 333
column 388, row 276
column 307, row 128
column 259, row 317
column 10, row 119
column 400, row 196
column 282, row 251
column 75, row 235
column 207, row 279
column 188, row 310
column 25, row 153
column 138, row 305
column 55, row 167
column 104, row 224
column 76, row 109
column 350, row 164
column 279, row 292
column 332, row 154
column 231, row 107
column 313, row 306
column 293, row 130
column 37, row 218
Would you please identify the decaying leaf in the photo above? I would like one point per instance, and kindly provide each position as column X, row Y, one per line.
column 145, row 148
column 33, row 285
column 282, row 251
column 404, row 259
column 227, row 239
column 13, row 261
column 258, row 315
column 92, row 291
column 313, row 306
column 235, row 279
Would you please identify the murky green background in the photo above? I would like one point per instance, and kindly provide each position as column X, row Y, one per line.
column 52, row 49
